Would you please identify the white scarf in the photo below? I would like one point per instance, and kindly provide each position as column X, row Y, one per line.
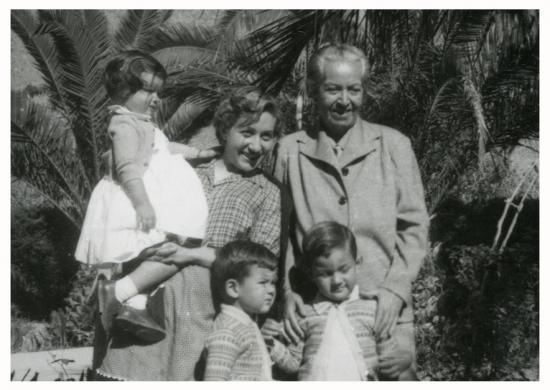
column 339, row 357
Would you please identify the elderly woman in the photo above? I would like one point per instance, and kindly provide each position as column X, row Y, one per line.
column 243, row 204
column 364, row 176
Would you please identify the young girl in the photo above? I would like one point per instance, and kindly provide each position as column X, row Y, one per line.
column 243, row 281
column 339, row 341
column 152, row 195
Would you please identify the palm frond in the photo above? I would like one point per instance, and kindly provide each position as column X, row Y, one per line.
column 43, row 156
column 136, row 28
column 173, row 36
column 277, row 46
column 82, row 54
column 43, row 52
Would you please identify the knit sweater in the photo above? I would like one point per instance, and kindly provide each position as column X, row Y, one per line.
column 299, row 358
column 233, row 349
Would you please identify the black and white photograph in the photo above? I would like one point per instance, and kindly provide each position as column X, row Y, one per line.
column 310, row 194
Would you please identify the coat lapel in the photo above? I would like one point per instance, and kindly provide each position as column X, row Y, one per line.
column 362, row 141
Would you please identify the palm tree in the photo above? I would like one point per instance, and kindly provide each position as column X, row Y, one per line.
column 457, row 82
column 57, row 145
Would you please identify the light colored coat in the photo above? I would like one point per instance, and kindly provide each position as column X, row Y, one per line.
column 374, row 188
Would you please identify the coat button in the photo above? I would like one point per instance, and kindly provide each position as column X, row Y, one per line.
column 342, row 201
column 145, row 164
column 345, row 171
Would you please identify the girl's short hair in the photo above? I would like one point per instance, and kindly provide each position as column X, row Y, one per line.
column 333, row 52
column 123, row 73
column 234, row 260
column 323, row 238
column 248, row 103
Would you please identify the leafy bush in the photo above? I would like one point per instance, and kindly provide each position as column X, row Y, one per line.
column 477, row 314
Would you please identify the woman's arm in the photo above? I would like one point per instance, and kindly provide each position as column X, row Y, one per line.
column 411, row 237
column 190, row 152
column 172, row 253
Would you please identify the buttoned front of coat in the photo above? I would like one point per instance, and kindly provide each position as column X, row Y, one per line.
column 374, row 188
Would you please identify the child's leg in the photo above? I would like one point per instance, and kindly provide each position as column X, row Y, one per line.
column 148, row 274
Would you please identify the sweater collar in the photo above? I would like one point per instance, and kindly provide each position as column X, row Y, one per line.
column 121, row 110
column 322, row 305
column 236, row 313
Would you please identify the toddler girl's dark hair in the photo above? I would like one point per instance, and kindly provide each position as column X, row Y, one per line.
column 234, row 261
column 122, row 76
column 323, row 238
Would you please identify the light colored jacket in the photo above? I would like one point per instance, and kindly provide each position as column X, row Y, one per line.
column 374, row 188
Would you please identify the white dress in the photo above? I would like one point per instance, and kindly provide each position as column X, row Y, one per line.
column 109, row 233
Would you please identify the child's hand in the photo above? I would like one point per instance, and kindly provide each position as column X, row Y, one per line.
column 394, row 363
column 271, row 329
column 146, row 218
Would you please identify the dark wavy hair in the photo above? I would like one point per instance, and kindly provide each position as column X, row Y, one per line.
column 122, row 76
column 323, row 238
column 248, row 103
column 234, row 260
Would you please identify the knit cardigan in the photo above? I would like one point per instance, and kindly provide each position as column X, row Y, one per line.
column 299, row 358
column 232, row 349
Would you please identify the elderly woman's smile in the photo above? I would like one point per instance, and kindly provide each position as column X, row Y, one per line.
column 247, row 144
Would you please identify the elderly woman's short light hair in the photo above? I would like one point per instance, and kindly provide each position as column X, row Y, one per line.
column 328, row 52
column 248, row 103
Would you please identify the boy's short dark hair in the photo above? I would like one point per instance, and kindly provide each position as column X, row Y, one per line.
column 323, row 238
column 122, row 76
column 234, row 260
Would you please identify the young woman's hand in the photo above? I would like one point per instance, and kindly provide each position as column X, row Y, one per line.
column 146, row 217
column 294, row 305
column 393, row 364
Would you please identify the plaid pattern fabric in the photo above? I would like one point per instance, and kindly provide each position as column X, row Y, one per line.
column 242, row 207
column 239, row 207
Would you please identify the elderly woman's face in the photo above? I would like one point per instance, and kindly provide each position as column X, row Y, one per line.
column 340, row 95
column 246, row 145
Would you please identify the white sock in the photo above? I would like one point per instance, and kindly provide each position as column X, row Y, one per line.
column 125, row 288
column 138, row 301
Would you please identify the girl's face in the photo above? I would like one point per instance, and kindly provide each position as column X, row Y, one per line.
column 146, row 100
column 340, row 95
column 335, row 275
column 256, row 292
column 246, row 145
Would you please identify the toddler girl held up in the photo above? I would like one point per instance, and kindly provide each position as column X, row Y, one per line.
column 152, row 195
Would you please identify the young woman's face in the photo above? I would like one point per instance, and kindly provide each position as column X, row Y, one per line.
column 256, row 292
column 340, row 95
column 335, row 275
column 246, row 145
column 146, row 100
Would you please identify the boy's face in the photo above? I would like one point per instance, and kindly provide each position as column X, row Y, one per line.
column 146, row 100
column 256, row 292
column 335, row 275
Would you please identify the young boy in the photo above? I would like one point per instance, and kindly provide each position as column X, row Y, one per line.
column 339, row 341
column 243, row 281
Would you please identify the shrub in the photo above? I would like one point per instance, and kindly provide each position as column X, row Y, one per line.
column 478, row 313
